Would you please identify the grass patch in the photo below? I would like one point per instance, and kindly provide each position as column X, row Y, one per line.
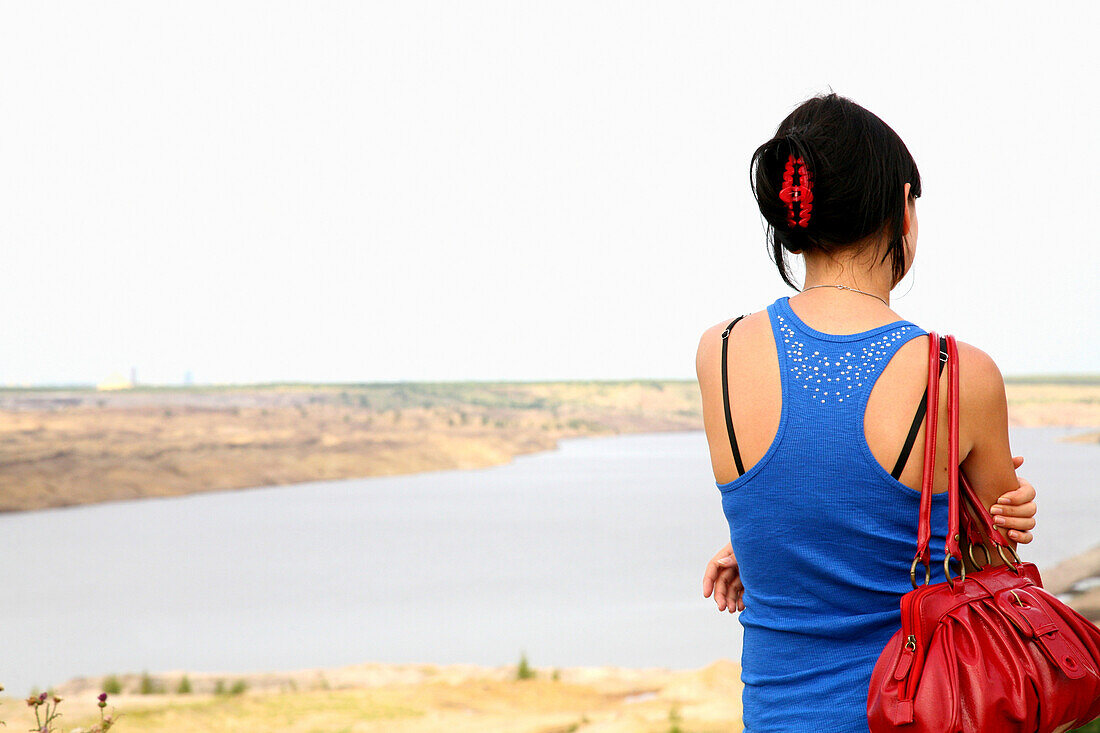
column 320, row 710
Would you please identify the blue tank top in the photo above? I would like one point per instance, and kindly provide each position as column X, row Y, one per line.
column 823, row 534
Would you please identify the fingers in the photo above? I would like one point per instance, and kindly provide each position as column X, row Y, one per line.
column 720, row 589
column 1017, row 461
column 735, row 599
column 1030, row 509
column 728, row 590
column 1015, row 511
column 1020, row 523
column 723, row 559
column 711, row 575
column 723, row 578
column 731, row 596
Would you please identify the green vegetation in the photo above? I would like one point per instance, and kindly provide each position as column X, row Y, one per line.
column 184, row 687
column 238, row 687
column 524, row 671
column 149, row 686
column 112, row 685
column 674, row 720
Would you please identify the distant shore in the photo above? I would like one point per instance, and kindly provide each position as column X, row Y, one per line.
column 71, row 447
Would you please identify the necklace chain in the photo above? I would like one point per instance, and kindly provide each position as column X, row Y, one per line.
column 845, row 287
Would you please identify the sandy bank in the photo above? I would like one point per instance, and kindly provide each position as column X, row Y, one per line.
column 423, row 698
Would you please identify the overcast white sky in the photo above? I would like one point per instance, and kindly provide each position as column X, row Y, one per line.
column 339, row 191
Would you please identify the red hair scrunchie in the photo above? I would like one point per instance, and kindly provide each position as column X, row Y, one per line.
column 801, row 194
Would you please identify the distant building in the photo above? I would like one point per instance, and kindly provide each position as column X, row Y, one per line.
column 114, row 381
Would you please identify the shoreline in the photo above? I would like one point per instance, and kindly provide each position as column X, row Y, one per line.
column 70, row 448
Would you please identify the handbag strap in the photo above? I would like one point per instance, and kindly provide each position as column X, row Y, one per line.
column 951, row 545
column 961, row 496
column 924, row 524
column 964, row 491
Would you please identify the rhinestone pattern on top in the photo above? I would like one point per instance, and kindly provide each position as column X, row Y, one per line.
column 842, row 374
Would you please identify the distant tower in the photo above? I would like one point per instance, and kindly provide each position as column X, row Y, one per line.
column 133, row 376
column 188, row 380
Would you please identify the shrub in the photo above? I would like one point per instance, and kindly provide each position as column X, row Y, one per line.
column 148, row 685
column 184, row 687
column 524, row 671
column 675, row 719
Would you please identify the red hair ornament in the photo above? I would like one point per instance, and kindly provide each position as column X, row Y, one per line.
column 800, row 196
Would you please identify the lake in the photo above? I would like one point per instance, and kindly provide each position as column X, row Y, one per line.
column 589, row 555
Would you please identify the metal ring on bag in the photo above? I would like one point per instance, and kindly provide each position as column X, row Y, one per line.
column 913, row 573
column 988, row 557
column 947, row 569
column 1001, row 551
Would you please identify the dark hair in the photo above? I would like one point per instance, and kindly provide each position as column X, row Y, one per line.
column 859, row 167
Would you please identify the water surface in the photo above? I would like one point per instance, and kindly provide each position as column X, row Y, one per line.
column 589, row 555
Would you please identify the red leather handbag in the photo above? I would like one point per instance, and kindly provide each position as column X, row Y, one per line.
column 988, row 650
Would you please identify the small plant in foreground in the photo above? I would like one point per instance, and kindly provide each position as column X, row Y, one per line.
column 675, row 719
column 44, row 715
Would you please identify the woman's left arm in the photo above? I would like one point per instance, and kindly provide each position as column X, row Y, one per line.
column 988, row 462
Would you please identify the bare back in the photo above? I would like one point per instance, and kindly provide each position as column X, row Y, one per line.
column 756, row 403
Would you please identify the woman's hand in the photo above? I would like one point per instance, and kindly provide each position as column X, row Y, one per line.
column 1015, row 510
column 724, row 578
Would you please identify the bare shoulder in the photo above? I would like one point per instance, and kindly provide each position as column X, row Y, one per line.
column 747, row 331
column 981, row 385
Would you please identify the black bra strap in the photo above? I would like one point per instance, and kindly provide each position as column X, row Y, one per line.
column 726, row 398
column 917, row 419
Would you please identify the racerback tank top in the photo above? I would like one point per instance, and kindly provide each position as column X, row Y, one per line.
column 823, row 535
